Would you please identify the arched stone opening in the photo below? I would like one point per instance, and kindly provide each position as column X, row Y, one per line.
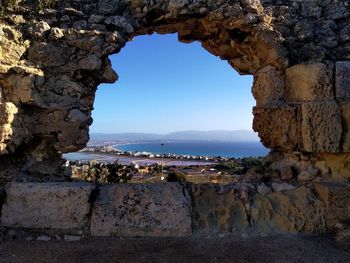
column 52, row 60
column 166, row 86
column 48, row 96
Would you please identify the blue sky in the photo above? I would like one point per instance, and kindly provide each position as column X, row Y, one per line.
column 166, row 86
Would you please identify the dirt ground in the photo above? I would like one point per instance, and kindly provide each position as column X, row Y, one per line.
column 226, row 249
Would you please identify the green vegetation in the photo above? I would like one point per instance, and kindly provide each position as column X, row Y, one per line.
column 241, row 166
column 176, row 176
column 8, row 3
column 112, row 173
column 223, row 179
column 44, row 4
column 230, row 171
column 38, row 4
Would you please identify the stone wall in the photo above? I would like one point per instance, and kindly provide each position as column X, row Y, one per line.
column 81, row 210
column 54, row 54
column 53, row 57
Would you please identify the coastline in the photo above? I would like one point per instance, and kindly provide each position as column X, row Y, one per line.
column 210, row 149
column 126, row 160
column 177, row 153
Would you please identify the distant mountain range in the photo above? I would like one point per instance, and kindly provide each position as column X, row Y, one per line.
column 229, row 136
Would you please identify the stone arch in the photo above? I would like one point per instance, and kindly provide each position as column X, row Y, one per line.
column 52, row 60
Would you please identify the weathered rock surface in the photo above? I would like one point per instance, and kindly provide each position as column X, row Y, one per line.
column 217, row 212
column 342, row 79
column 142, row 210
column 282, row 187
column 269, row 86
column 345, row 115
column 53, row 58
column 321, row 127
column 72, row 211
column 47, row 205
column 309, row 82
column 336, row 197
column 291, row 211
column 286, row 173
column 339, row 165
column 277, row 127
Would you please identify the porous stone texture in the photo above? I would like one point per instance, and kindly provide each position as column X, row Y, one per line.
column 336, row 197
column 286, row 173
column 54, row 55
column 321, row 126
column 293, row 211
column 342, row 80
column 322, row 166
column 339, row 165
column 74, row 211
column 269, row 86
column 309, row 82
column 131, row 210
column 217, row 210
column 47, row 205
column 277, row 127
column 345, row 116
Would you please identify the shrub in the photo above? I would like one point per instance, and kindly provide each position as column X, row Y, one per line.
column 38, row 4
column 118, row 173
column 176, row 176
column 44, row 4
column 8, row 3
column 112, row 173
column 241, row 166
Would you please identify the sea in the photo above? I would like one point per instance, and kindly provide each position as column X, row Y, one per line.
column 201, row 148
column 193, row 148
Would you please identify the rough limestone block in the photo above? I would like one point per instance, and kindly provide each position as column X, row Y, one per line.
column 142, row 210
column 345, row 116
column 342, row 79
column 11, row 47
column 308, row 82
column 336, row 197
column 339, row 164
column 8, row 110
column 294, row 211
column 269, row 85
column 19, row 88
column 277, row 127
column 47, row 205
column 217, row 211
column 321, row 126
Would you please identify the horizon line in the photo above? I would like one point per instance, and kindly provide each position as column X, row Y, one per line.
column 99, row 132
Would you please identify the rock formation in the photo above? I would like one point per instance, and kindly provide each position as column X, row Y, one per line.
column 54, row 54
column 53, row 57
column 171, row 209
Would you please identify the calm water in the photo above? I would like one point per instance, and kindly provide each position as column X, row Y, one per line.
column 224, row 149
